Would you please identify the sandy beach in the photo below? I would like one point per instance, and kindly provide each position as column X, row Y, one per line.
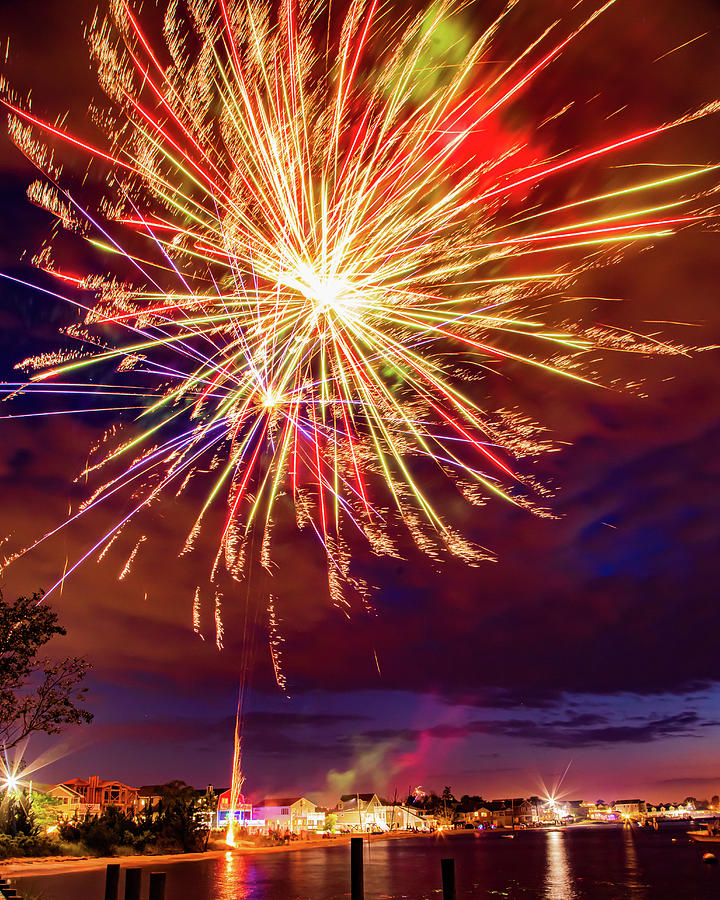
column 56, row 865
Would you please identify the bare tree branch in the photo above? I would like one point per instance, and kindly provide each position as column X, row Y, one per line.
column 36, row 694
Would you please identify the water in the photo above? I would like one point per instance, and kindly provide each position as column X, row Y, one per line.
column 598, row 862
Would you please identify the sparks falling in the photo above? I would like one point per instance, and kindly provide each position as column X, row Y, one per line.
column 312, row 255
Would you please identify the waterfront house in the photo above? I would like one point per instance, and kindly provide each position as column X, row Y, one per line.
column 361, row 812
column 481, row 817
column 501, row 815
column 630, row 808
column 242, row 813
column 294, row 814
column 100, row 794
column 598, row 811
column 513, row 811
column 69, row 803
column 666, row 810
column 411, row 818
column 368, row 812
column 394, row 816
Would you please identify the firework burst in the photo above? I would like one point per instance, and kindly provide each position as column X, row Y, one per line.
column 314, row 256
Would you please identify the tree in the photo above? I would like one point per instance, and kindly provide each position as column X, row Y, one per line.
column 178, row 822
column 17, row 816
column 45, row 809
column 36, row 693
column 103, row 834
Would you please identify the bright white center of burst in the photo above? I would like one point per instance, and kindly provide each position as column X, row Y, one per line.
column 271, row 399
column 331, row 296
column 326, row 293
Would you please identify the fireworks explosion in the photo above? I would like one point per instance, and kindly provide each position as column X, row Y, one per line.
column 311, row 253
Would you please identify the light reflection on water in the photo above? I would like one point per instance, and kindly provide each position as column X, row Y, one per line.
column 558, row 881
column 233, row 877
column 634, row 884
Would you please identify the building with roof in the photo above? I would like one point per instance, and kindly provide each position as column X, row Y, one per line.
column 368, row 812
column 630, row 809
column 360, row 812
column 399, row 817
column 69, row 804
column 516, row 811
column 480, row 817
column 599, row 811
column 242, row 814
column 293, row 814
column 99, row 794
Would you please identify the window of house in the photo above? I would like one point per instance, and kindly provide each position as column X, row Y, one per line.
column 284, row 811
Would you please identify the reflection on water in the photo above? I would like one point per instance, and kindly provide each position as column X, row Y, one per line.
column 632, row 867
column 558, row 883
column 233, row 878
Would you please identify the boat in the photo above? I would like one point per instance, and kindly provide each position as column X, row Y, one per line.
column 711, row 835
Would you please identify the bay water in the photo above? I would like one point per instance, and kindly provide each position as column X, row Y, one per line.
column 578, row 863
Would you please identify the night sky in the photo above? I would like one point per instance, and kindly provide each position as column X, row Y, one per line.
column 594, row 637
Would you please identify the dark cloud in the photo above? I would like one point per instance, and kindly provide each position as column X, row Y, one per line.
column 566, row 734
column 689, row 780
column 572, row 731
column 492, row 697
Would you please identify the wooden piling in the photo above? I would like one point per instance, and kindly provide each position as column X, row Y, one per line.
column 447, row 867
column 112, row 881
column 132, row 884
column 6, row 889
column 357, row 888
column 157, row 886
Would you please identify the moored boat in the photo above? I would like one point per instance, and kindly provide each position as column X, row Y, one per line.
column 711, row 835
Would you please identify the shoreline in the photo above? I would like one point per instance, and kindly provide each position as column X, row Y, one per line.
column 25, row 867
